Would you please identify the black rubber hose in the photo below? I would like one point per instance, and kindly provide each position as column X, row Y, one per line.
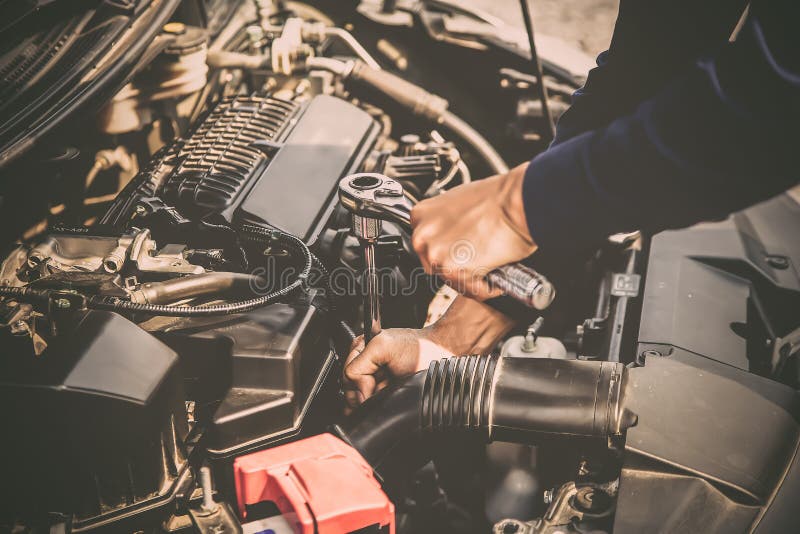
column 25, row 294
column 250, row 231
column 479, row 144
column 520, row 400
column 428, row 105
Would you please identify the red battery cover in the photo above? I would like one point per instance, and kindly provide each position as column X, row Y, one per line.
column 318, row 481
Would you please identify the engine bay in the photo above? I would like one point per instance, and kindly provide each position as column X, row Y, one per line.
column 173, row 329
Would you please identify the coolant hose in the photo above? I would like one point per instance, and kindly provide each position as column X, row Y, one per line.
column 424, row 104
column 479, row 144
column 519, row 400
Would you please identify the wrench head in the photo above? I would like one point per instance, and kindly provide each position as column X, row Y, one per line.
column 375, row 196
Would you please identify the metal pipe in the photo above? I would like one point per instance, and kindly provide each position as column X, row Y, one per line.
column 208, row 493
column 347, row 38
column 223, row 59
column 194, row 286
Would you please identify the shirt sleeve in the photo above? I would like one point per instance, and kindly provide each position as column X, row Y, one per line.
column 720, row 136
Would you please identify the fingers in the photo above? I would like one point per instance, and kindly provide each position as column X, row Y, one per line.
column 439, row 261
column 476, row 288
column 351, row 395
column 356, row 348
column 361, row 367
column 419, row 237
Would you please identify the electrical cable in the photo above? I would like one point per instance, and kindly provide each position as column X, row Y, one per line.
column 116, row 304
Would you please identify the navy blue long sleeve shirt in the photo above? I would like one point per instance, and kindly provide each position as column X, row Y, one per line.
column 676, row 125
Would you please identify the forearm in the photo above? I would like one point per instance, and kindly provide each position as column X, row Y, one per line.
column 470, row 327
column 716, row 140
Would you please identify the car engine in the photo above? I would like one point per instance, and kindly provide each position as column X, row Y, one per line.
column 174, row 317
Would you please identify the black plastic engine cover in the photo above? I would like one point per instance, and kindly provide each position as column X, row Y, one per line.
column 221, row 158
column 95, row 425
column 729, row 291
column 296, row 192
column 715, row 449
column 271, row 161
column 253, row 375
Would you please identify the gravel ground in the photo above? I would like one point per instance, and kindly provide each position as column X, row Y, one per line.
column 585, row 24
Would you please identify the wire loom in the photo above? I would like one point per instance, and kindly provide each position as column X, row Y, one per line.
column 253, row 232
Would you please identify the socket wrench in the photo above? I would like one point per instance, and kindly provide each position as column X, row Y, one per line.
column 373, row 197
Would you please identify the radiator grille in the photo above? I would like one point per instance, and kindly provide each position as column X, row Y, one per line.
column 219, row 158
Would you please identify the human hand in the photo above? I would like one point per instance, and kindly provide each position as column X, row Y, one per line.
column 465, row 233
column 467, row 327
column 394, row 353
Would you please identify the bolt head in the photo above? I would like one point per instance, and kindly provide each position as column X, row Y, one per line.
column 778, row 262
column 175, row 28
column 255, row 33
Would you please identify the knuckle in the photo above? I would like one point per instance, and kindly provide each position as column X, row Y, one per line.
column 356, row 344
column 418, row 241
column 351, row 374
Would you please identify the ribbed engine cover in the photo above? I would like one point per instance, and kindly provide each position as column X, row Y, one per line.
column 271, row 161
column 221, row 155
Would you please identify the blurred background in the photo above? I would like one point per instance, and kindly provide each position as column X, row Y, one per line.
column 584, row 24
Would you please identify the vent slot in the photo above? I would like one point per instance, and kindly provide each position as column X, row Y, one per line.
column 219, row 158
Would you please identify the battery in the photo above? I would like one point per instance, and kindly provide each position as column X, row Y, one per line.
column 320, row 485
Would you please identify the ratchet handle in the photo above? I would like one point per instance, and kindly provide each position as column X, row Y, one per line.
column 523, row 284
column 515, row 280
column 375, row 197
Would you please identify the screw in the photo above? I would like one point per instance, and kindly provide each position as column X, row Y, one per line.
column 509, row 526
column 529, row 345
column 650, row 354
column 255, row 33
column 19, row 327
column 174, row 28
column 778, row 262
column 140, row 210
column 208, row 497
column 62, row 303
column 547, row 497
column 583, row 468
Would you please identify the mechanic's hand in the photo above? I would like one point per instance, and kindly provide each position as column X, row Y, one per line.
column 394, row 353
column 467, row 327
column 466, row 232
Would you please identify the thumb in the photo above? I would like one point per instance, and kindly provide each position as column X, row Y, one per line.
column 360, row 371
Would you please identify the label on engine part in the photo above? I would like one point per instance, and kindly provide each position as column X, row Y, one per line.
column 625, row 285
column 271, row 525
